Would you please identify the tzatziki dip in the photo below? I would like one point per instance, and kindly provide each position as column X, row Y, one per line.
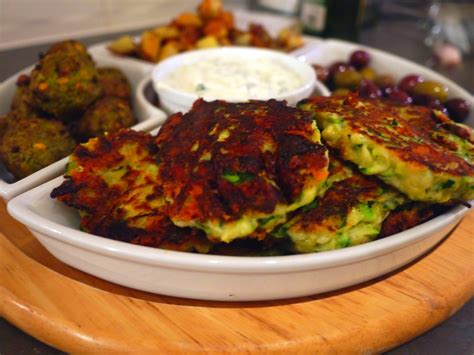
column 234, row 78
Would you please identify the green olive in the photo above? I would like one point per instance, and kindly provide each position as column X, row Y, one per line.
column 341, row 92
column 432, row 89
column 349, row 79
column 368, row 73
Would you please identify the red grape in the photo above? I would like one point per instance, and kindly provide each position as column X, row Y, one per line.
column 408, row 82
column 458, row 109
column 386, row 91
column 367, row 89
column 399, row 96
column 434, row 104
column 359, row 59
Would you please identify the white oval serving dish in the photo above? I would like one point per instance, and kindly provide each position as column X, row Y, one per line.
column 225, row 278
column 147, row 120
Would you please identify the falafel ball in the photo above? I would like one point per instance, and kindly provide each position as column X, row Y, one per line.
column 21, row 101
column 64, row 85
column 69, row 46
column 5, row 122
column 30, row 144
column 114, row 83
column 108, row 114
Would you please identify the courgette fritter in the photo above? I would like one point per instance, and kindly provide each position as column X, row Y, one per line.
column 237, row 169
column 410, row 215
column 113, row 181
column 351, row 211
column 253, row 178
column 405, row 155
column 452, row 136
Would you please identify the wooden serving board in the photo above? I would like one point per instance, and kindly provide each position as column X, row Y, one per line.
column 76, row 312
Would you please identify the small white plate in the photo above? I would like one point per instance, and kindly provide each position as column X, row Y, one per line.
column 148, row 120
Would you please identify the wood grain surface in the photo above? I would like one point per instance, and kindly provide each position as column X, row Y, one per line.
column 76, row 312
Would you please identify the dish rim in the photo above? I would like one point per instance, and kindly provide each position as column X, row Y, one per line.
column 22, row 209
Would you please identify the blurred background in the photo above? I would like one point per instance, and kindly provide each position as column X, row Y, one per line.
column 26, row 22
column 438, row 34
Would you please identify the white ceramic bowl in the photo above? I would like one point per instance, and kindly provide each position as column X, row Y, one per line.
column 223, row 278
column 146, row 105
column 147, row 120
column 173, row 100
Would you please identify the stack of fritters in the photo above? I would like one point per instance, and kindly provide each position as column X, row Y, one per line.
column 422, row 154
column 114, row 182
column 254, row 179
column 234, row 170
column 351, row 211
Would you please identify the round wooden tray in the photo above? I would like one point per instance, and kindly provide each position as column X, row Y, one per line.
column 76, row 312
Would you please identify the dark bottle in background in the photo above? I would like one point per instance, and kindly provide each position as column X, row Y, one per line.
column 280, row 7
column 313, row 16
column 332, row 18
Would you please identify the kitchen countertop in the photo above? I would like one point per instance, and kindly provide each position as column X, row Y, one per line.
column 456, row 335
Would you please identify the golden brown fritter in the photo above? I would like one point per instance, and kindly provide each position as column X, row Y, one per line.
column 452, row 136
column 235, row 168
column 350, row 212
column 410, row 215
column 381, row 142
column 113, row 181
